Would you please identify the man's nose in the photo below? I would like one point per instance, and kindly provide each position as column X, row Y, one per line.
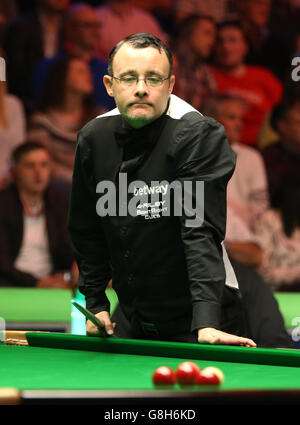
column 38, row 169
column 141, row 88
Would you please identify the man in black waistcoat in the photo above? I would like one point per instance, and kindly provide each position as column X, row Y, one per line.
column 148, row 208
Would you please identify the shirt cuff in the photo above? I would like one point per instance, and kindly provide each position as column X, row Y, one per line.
column 206, row 315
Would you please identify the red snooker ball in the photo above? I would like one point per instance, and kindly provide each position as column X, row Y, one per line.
column 208, row 377
column 187, row 372
column 164, row 375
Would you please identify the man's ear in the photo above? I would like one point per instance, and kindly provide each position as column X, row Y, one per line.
column 172, row 83
column 107, row 81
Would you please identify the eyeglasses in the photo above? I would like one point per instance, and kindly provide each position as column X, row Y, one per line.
column 131, row 81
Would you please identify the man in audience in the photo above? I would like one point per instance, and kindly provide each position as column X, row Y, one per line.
column 119, row 18
column 34, row 242
column 81, row 38
column 247, row 190
column 219, row 10
column 257, row 86
column 283, row 157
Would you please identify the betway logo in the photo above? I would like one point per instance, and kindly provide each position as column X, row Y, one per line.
column 150, row 190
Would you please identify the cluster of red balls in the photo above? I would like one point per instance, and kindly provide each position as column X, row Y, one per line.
column 187, row 373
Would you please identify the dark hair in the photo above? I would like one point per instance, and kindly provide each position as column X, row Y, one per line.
column 186, row 27
column 141, row 41
column 53, row 92
column 232, row 24
column 211, row 104
column 286, row 199
column 281, row 110
column 24, row 148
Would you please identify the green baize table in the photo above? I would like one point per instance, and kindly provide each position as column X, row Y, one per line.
column 76, row 368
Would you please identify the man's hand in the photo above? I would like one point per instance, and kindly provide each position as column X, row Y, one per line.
column 104, row 318
column 215, row 336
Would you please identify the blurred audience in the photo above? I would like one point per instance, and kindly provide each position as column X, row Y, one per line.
column 162, row 10
column 29, row 39
column 264, row 45
column 56, row 59
column 219, row 10
column 192, row 48
column 81, row 38
column 12, row 128
column 257, row 86
column 64, row 107
column 247, row 191
column 119, row 18
column 291, row 94
column 278, row 231
column 283, row 156
column 34, row 242
column 284, row 23
column 9, row 12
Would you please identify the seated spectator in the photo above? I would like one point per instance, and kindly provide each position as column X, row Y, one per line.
column 162, row 10
column 119, row 19
column 81, row 38
column 257, row 86
column 291, row 94
column 278, row 231
column 247, row 190
column 283, row 156
column 219, row 10
column 192, row 48
column 34, row 242
column 241, row 243
column 64, row 107
column 12, row 129
column 30, row 39
column 267, row 46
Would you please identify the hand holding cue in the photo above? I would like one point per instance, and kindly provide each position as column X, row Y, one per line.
column 90, row 316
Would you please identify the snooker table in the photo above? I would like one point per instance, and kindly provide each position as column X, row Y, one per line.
column 60, row 368
column 37, row 309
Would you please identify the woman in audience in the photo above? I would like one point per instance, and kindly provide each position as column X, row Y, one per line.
column 12, row 126
column 63, row 108
column 192, row 48
column 278, row 231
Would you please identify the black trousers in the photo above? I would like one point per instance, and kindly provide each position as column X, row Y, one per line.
column 232, row 321
column 263, row 319
column 250, row 312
